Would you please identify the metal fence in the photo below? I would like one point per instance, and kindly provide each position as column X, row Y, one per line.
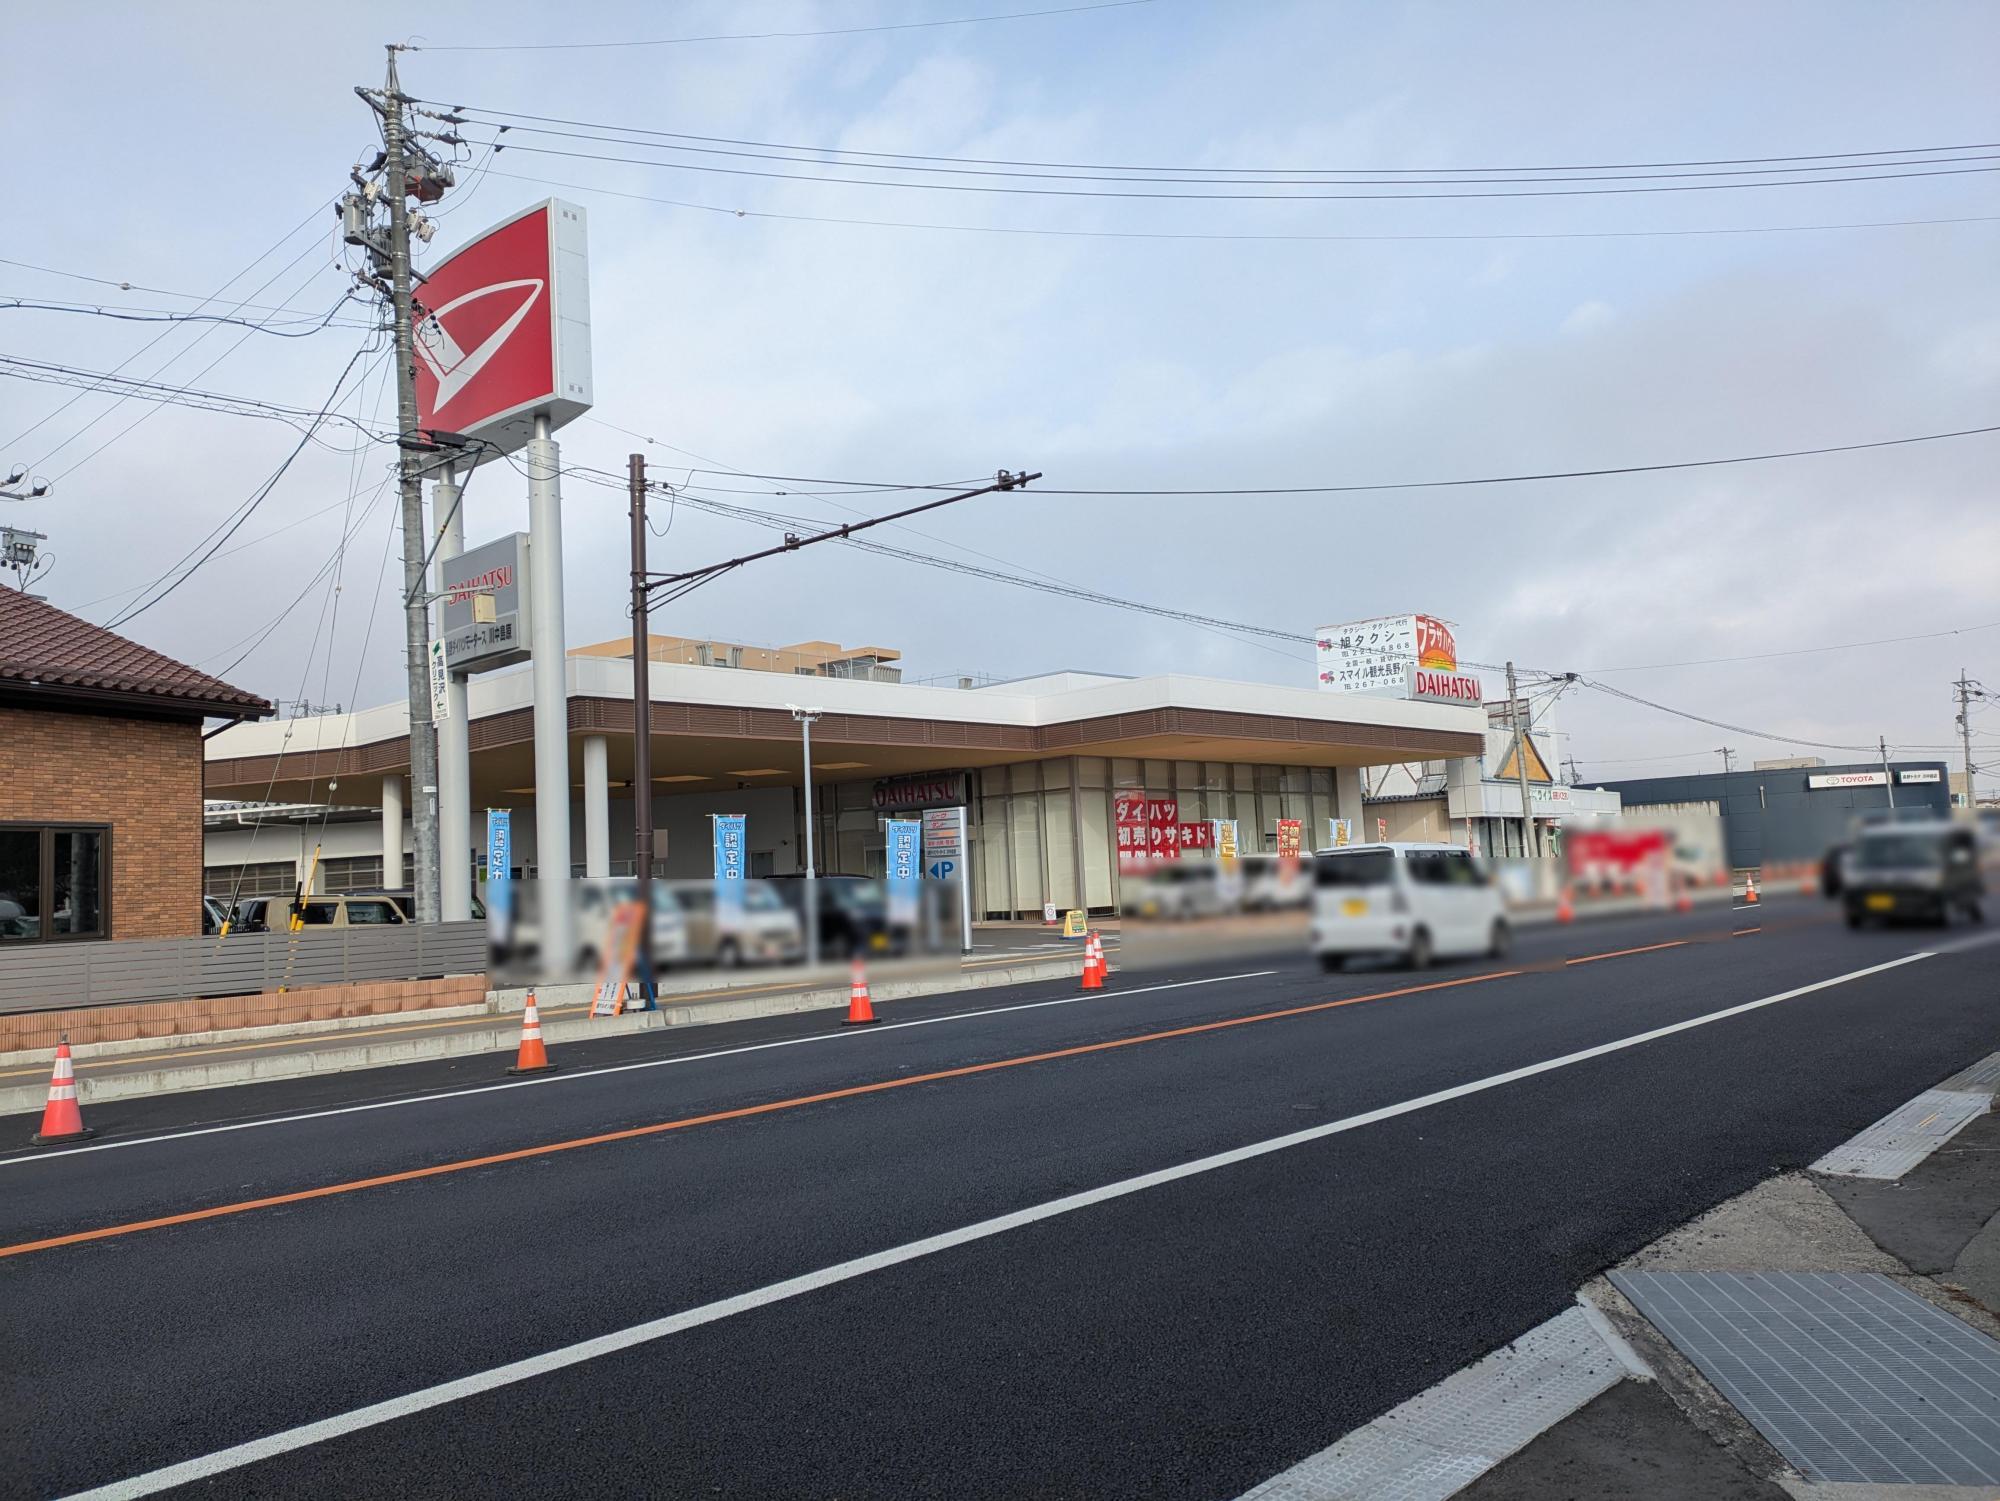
column 58, row 976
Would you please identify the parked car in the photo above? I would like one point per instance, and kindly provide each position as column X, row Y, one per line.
column 1418, row 901
column 1179, row 890
column 853, row 914
column 766, row 932
column 407, row 900
column 213, row 915
column 1269, row 887
column 1925, row 872
column 273, row 914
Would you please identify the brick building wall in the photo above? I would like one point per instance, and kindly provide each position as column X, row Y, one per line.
column 143, row 777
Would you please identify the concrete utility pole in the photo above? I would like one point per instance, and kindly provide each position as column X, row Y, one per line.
column 1727, row 753
column 454, row 736
column 642, row 707
column 1515, row 715
column 1967, row 687
column 416, row 606
column 1888, row 777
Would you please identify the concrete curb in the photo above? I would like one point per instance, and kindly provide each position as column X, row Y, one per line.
column 502, row 1037
column 87, row 1050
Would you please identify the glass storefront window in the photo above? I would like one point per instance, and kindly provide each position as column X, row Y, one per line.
column 20, row 883
column 54, row 883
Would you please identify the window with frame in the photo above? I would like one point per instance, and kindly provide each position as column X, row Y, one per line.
column 55, row 882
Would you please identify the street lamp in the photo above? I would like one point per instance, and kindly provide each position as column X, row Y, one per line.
column 805, row 717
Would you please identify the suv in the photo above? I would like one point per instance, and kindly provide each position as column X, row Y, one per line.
column 1922, row 871
column 1418, row 901
column 273, row 914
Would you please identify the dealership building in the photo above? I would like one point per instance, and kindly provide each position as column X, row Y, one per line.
column 1040, row 764
column 1780, row 812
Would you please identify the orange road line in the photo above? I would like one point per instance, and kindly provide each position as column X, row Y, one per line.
column 1739, row 932
column 1649, row 948
column 743, row 1112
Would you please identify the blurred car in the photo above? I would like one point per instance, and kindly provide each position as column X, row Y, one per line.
column 407, row 900
column 1833, row 870
column 213, row 915
column 1269, row 887
column 853, row 914
column 1418, row 901
column 273, row 914
column 1178, row 890
column 765, row 932
column 1923, row 872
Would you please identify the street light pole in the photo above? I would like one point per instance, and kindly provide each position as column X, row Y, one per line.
column 1888, row 777
column 805, row 717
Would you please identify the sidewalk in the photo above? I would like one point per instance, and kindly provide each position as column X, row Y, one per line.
column 1933, row 1229
column 152, row 1065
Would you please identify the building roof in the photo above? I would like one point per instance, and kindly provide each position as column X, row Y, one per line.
column 50, row 653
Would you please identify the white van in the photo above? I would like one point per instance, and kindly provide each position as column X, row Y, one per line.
column 1418, row 900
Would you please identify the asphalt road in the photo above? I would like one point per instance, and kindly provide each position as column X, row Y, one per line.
column 777, row 1186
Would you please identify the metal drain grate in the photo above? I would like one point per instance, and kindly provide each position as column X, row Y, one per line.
column 1852, row 1377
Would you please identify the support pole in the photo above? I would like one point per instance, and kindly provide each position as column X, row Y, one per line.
column 596, row 807
column 551, row 674
column 455, row 734
column 1518, row 719
column 642, row 703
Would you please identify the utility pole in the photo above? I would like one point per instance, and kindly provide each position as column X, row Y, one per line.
column 1727, row 753
column 1967, row 690
column 1888, row 777
column 1521, row 765
column 642, row 703
column 416, row 604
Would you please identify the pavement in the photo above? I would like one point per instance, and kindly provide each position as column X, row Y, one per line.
column 1164, row 1240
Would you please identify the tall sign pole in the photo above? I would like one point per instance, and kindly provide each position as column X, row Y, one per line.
column 454, row 736
column 416, row 606
column 1521, row 765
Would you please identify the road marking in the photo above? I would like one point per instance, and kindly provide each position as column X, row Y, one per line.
column 1739, row 932
column 1650, row 948
column 308, row 1434
column 740, row 1112
column 624, row 1068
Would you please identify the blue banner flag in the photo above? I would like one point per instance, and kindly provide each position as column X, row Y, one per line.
column 904, row 869
column 729, row 866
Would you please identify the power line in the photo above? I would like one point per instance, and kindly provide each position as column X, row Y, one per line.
column 1151, row 195
column 1737, row 729
column 312, row 325
column 1223, row 237
column 1802, row 651
column 1446, row 484
column 1399, row 177
column 127, row 286
column 765, row 36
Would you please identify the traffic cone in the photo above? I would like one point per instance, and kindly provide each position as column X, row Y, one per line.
column 1750, row 890
column 860, row 1009
column 1686, row 902
column 62, row 1118
column 1565, row 906
column 534, row 1056
column 1093, row 964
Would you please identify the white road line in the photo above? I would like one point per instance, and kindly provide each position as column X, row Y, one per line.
column 377, row 1413
column 623, row 1068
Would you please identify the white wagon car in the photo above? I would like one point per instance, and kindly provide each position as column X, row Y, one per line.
column 1418, row 901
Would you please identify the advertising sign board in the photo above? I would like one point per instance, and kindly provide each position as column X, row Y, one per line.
column 499, row 570
column 1920, row 776
column 904, row 869
column 503, row 331
column 1385, row 657
column 729, row 867
column 1827, row 779
column 899, row 793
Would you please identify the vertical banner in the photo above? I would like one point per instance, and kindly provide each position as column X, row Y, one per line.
column 440, row 677
column 499, row 867
column 1290, row 836
column 729, row 837
column 1340, row 832
column 945, row 860
column 1163, row 819
column 904, row 835
column 1128, row 816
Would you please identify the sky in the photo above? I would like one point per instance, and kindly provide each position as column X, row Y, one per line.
column 749, row 324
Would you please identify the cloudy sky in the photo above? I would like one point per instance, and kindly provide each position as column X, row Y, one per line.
column 1112, row 343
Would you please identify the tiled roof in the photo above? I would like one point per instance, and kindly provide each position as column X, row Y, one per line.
column 43, row 647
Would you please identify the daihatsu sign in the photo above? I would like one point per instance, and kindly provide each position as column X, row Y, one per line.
column 503, row 330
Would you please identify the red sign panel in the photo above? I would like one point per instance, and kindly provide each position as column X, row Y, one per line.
column 500, row 335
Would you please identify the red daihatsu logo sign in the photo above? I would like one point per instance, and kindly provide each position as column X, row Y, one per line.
column 485, row 336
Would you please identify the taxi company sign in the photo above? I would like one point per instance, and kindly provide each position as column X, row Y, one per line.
column 503, row 331
column 498, row 568
column 1396, row 656
column 1924, row 774
column 1848, row 779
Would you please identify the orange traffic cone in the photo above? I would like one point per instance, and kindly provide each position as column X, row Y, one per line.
column 1686, row 902
column 534, row 1056
column 62, row 1118
column 1093, row 964
column 860, row 1009
column 1565, row 906
column 1750, row 891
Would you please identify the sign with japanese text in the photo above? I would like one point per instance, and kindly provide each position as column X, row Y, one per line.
column 498, row 570
column 1290, row 835
column 1225, row 840
column 729, row 865
column 1384, row 657
column 499, row 864
column 440, row 676
column 503, row 331
column 1340, row 832
column 1919, row 776
column 899, row 793
column 905, row 870
column 1147, row 828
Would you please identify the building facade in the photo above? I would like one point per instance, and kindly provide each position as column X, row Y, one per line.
column 101, row 774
